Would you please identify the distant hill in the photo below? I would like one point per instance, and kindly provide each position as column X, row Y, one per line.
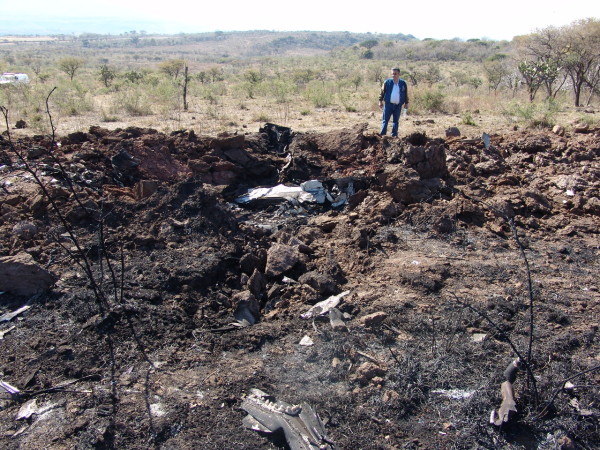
column 42, row 26
column 201, row 46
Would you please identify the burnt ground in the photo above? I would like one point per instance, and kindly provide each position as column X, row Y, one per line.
column 146, row 355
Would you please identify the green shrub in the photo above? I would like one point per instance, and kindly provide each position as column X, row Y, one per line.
column 319, row 94
column 533, row 115
column 280, row 89
column 588, row 119
column 431, row 100
column 346, row 100
column 37, row 123
column 133, row 102
column 467, row 119
column 74, row 100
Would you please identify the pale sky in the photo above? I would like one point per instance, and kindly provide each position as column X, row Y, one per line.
column 465, row 19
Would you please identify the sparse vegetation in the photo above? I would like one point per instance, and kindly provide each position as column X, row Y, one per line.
column 140, row 80
column 467, row 119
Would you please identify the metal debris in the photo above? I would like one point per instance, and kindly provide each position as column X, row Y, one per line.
column 336, row 320
column 10, row 316
column 306, row 341
column 9, row 388
column 3, row 332
column 486, row 140
column 454, row 394
column 508, row 408
column 322, row 308
column 301, row 425
column 309, row 191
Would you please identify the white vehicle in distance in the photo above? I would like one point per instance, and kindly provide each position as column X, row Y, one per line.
column 14, row 78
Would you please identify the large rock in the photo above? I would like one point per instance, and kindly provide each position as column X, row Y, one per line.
column 21, row 275
column 403, row 184
column 429, row 161
column 324, row 284
column 280, row 259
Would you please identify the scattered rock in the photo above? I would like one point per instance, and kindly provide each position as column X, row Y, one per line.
column 280, row 259
column 366, row 372
column 452, row 132
column 21, row 275
column 25, row 230
column 373, row 320
column 324, row 284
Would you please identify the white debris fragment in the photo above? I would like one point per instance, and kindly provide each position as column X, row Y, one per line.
column 311, row 191
column 455, row 394
column 279, row 192
column 27, row 410
column 322, row 308
column 306, row 341
column 9, row 388
column 479, row 337
column 9, row 316
column 4, row 332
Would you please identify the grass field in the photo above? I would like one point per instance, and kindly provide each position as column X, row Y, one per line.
column 239, row 81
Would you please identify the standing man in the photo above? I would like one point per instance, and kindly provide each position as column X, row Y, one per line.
column 394, row 96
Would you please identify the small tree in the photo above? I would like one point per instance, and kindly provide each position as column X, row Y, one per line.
column 582, row 58
column 107, row 75
column 475, row 82
column 216, row 74
column 133, row 76
column 536, row 74
column 356, row 80
column 202, row 77
column 369, row 44
column 376, row 74
column 432, row 75
column 70, row 66
column 172, row 67
column 496, row 71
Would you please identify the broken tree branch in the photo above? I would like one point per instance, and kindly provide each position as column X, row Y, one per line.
column 510, row 221
column 561, row 386
column 523, row 361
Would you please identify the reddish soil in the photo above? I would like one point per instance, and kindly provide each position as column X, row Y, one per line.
column 150, row 358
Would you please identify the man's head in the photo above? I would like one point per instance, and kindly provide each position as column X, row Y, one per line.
column 395, row 73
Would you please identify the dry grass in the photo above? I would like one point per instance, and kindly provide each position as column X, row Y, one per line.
column 339, row 92
column 233, row 115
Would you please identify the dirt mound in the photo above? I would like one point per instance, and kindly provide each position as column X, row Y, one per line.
column 174, row 298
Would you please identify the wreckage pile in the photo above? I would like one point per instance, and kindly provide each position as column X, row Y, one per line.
column 328, row 290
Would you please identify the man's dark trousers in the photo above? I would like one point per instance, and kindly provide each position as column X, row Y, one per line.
column 390, row 110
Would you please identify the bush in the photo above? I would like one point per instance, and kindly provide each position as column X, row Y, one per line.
column 319, row 94
column 74, row 100
column 533, row 115
column 133, row 102
column 431, row 100
column 467, row 119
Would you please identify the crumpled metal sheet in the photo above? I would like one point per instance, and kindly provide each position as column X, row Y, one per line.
column 323, row 307
column 301, row 425
column 311, row 191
